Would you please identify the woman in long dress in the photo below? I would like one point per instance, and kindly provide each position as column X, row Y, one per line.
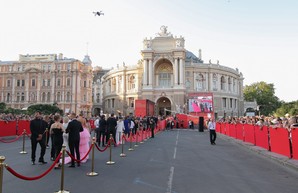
column 56, row 131
column 65, row 135
column 84, row 140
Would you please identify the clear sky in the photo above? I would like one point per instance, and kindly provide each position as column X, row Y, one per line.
column 259, row 37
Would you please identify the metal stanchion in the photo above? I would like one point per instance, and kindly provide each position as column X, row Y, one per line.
column 62, row 172
column 2, row 159
column 137, row 134
column 122, row 154
column 92, row 173
column 23, row 151
column 130, row 139
column 110, row 162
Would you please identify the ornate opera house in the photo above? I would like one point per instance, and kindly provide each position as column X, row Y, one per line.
column 175, row 80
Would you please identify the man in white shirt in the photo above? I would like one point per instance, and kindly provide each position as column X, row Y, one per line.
column 211, row 128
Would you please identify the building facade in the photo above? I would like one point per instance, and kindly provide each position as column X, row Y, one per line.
column 47, row 79
column 169, row 75
column 97, row 90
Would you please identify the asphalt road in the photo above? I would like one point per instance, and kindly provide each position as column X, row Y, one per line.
column 178, row 161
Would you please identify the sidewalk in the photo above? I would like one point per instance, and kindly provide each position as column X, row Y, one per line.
column 264, row 152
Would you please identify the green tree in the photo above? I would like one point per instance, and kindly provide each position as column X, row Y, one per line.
column 45, row 109
column 290, row 108
column 264, row 94
column 2, row 107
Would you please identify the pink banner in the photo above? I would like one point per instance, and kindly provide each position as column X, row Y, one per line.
column 262, row 137
column 279, row 141
column 249, row 133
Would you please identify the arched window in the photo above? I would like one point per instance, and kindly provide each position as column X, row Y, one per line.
column 230, row 83
column 200, row 82
column 187, row 84
column 68, row 96
column 18, row 97
column 32, row 97
column 214, row 80
column 49, row 97
column 58, row 96
column 222, row 83
column 8, row 97
column 164, row 72
column 132, row 82
column 68, row 82
column 113, row 86
column 23, row 97
column 58, row 82
column 43, row 97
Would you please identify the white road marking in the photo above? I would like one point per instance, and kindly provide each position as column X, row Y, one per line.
column 169, row 189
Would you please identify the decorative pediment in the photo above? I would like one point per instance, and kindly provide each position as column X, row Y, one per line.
column 32, row 69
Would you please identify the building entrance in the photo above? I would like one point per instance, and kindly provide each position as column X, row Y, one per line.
column 163, row 106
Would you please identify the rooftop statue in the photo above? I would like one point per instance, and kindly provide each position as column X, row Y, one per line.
column 163, row 31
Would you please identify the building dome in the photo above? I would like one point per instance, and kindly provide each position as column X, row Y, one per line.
column 87, row 61
column 189, row 56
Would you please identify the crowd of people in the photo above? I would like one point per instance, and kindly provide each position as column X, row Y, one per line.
column 286, row 122
column 73, row 131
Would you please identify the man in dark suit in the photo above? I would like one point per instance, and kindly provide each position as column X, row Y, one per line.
column 38, row 128
column 111, row 127
column 73, row 129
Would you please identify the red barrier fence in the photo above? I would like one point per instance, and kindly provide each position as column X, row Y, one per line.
column 295, row 143
column 239, row 131
column 249, row 133
column 7, row 128
column 233, row 130
column 261, row 134
column 273, row 139
column 218, row 127
column 24, row 124
column 279, row 141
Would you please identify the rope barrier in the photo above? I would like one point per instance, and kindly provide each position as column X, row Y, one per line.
column 68, row 153
column 13, row 172
column 102, row 150
column 11, row 141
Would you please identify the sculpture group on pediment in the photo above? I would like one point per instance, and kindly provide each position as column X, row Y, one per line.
column 163, row 31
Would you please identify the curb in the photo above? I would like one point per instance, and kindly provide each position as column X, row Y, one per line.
column 283, row 160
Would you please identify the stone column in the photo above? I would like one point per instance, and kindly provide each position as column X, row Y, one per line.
column 210, row 86
column 13, row 89
column 53, row 84
column 176, row 72
column 150, row 72
column 181, row 64
column 27, row 84
column 145, row 70
column 38, row 86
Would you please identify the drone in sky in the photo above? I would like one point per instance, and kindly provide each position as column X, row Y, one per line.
column 98, row 13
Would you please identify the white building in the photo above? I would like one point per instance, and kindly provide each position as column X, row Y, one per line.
column 168, row 74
